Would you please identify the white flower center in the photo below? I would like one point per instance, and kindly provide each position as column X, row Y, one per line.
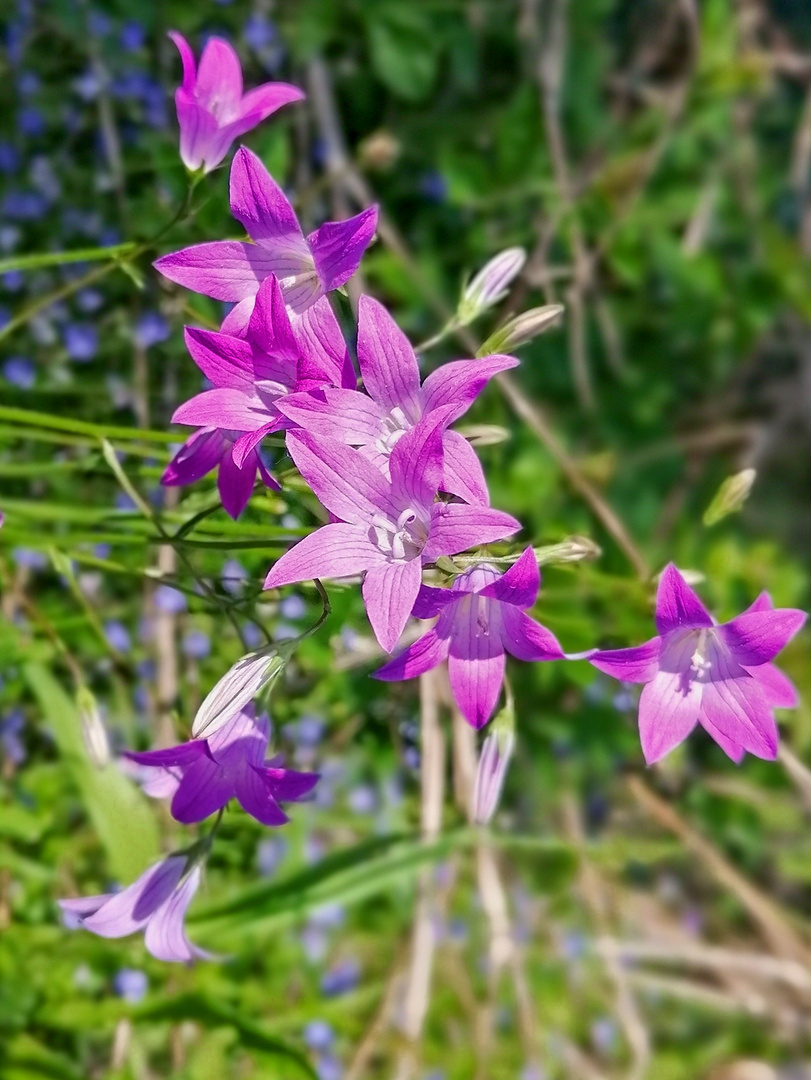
column 402, row 540
column 699, row 661
column 395, row 425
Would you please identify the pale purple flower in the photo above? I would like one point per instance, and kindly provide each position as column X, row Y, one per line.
column 482, row 616
column 319, row 1035
column 395, row 401
column 307, row 267
column 341, row 978
column 229, row 764
column 387, row 527
column 211, row 448
column 155, row 903
column 491, row 772
column 81, row 341
column 699, row 672
column 196, row 645
column 212, row 109
column 170, row 600
column 250, row 376
column 131, row 985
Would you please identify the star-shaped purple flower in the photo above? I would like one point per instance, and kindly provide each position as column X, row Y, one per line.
column 482, row 616
column 307, row 267
column 211, row 448
column 229, row 764
column 212, row 110
column 395, row 401
column 699, row 672
column 386, row 527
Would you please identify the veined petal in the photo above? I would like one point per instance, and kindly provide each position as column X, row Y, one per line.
column 338, row 246
column 246, row 445
column 778, row 689
column 244, row 737
column 421, row 656
column 333, row 551
column 289, row 785
column 204, row 788
column 732, row 749
column 346, row 415
column 165, row 936
column 431, row 601
column 238, row 319
column 262, row 208
column 526, row 639
column 219, row 79
column 227, row 270
column 239, row 686
column 462, row 473
column 639, row 664
column 264, row 100
column 269, row 325
column 460, row 382
column 519, row 584
column 226, row 408
column 677, row 606
column 416, row 462
column 668, row 711
column 200, row 453
column 201, row 142
column 129, row 910
column 389, row 592
column 756, row 637
column 735, row 704
column 227, row 361
column 256, row 796
column 184, row 754
column 235, row 485
column 346, row 483
column 456, row 528
column 387, row 361
column 476, row 662
column 319, row 335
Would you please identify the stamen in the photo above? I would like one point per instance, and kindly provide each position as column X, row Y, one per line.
column 698, row 661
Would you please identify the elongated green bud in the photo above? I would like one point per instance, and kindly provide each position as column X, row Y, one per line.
column 490, row 284
column 731, row 496
column 521, row 329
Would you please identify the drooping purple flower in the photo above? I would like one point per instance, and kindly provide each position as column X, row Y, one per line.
column 212, row 109
column 699, row 672
column 156, row 903
column 307, row 267
column 482, row 616
column 252, row 375
column 210, row 448
column 395, row 401
column 387, row 526
column 229, row 764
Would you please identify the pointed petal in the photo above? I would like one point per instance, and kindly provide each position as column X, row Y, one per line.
column 187, row 58
column 269, row 325
column 234, row 410
column 732, row 749
column 431, row 601
column 736, row 705
column 219, row 77
column 237, row 320
column 638, row 664
column 456, row 528
column 203, row 790
column 389, row 592
column 462, row 473
column 260, row 205
column 519, row 584
column 258, row 104
column 235, row 485
column 778, row 689
column 757, row 637
column 165, row 936
column 338, row 246
column 387, row 361
column 227, row 361
column 333, row 551
column 526, row 639
column 424, row 654
column 184, row 754
column 319, row 335
column 346, row 483
column 246, row 445
column 223, row 269
column 289, row 785
column 82, row 906
column 234, row 691
column 762, row 602
column 677, row 606
column 345, row 415
column 460, row 382
column 129, row 910
column 476, row 673
column 244, row 736
column 416, row 461
column 255, row 794
column 668, row 711
column 203, row 144
column 200, row 453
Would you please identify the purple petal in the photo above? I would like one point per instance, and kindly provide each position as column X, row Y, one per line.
column 255, row 794
column 289, row 785
column 762, row 602
column 345, row 415
column 519, row 585
column 246, row 445
column 668, row 711
column 165, row 936
column 203, row 790
column 260, row 205
column 346, row 483
column 223, row 269
column 226, row 361
column 82, row 906
column 735, row 704
column 638, row 664
column 333, row 551
column 424, row 654
column 203, row 142
column 129, row 910
column 778, row 689
column 238, row 319
column 219, row 77
column 183, row 754
column 200, row 453
column 730, row 748
column 319, row 335
column 387, row 360
column 187, row 58
column 456, row 528
column 462, row 473
column 526, row 639
column 224, row 408
column 258, row 104
column 415, row 462
column 235, row 485
column 757, row 637
column 431, row 601
column 460, row 382
column 244, row 737
column 338, row 246
column 677, row 606
column 389, row 592
column 476, row 673
column 269, row 325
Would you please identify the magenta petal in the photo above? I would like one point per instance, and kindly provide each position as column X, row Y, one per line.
column 269, row 325
column 264, row 100
column 677, row 606
column 255, row 794
column 223, row 269
column 200, row 453
column 756, row 637
column 129, row 910
column 260, row 205
column 333, row 551
column 415, row 463
column 345, row 415
column 165, row 936
column 638, row 664
column 319, row 335
column 289, row 785
column 235, row 485
column 431, row 601
column 203, row 790
column 519, row 584
column 346, row 483
column 778, row 689
column 526, row 639
column 183, row 754
column 244, row 737
column 227, row 361
column 475, row 683
column 762, row 602
column 668, row 711
column 456, row 528
column 389, row 592
column 732, row 749
column 246, row 445
column 460, row 382
column 223, row 408
column 187, row 59
column 421, row 656
column 219, row 77
column 338, row 246
column 462, row 473
column 387, row 361
column 238, row 319
column 735, row 704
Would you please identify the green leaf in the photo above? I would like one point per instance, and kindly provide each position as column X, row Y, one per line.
column 120, row 813
column 404, row 50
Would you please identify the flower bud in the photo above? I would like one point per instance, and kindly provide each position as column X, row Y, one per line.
column 93, row 732
column 731, row 496
column 572, row 549
column 490, row 284
column 236, row 689
column 521, row 329
column 497, row 750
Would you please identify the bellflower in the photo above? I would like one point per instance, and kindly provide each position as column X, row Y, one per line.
column 155, row 903
column 251, row 375
column 387, row 526
column 482, row 616
column 307, row 267
column 396, row 401
column 229, row 764
column 212, row 110
column 699, row 672
column 210, row 448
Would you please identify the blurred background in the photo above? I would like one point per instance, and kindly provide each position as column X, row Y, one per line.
column 653, row 157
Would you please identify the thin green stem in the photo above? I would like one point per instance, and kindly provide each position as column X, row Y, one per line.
column 61, row 258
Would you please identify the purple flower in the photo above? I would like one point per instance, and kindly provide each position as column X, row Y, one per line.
column 81, row 341
column 170, row 600
column 20, row 372
column 155, row 903
column 250, row 377
column 307, row 267
column 699, row 672
column 341, row 978
column 212, row 110
column 131, row 985
column 229, row 764
column 269, row 854
column 196, row 645
column 319, row 1035
column 481, row 617
column 491, row 771
column 396, row 401
column 210, row 448
column 387, row 527
column 132, row 36
column 118, row 636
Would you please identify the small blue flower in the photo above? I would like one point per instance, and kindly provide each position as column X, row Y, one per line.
column 434, row 187
column 269, row 854
column 29, row 558
column 150, row 329
column 30, row 122
column 118, row 636
column 234, row 575
column 19, row 371
column 196, row 645
column 329, row 1068
column 131, row 985
column 341, row 978
column 318, row 1035
column 9, row 158
column 81, row 341
column 11, row 725
column 170, row 600
column 132, row 36
column 292, row 607
column 89, row 300
column 259, row 32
